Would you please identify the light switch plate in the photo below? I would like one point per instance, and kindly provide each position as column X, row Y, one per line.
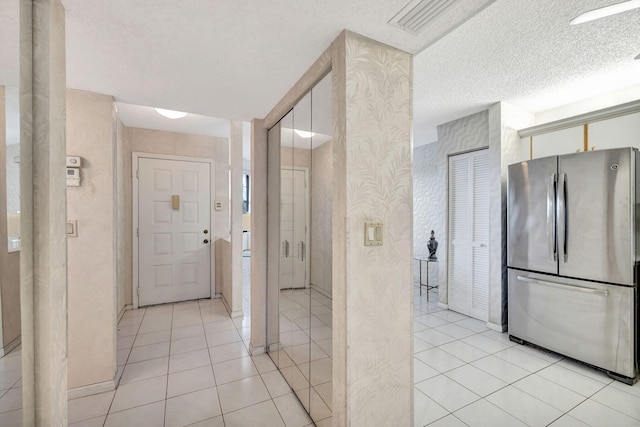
column 372, row 233
column 218, row 205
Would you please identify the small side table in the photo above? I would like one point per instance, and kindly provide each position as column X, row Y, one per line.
column 427, row 261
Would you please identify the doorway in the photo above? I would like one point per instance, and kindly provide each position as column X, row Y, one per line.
column 468, row 272
column 172, row 229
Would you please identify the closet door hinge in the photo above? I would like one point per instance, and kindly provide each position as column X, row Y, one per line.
column 138, row 290
column 137, row 232
column 138, row 173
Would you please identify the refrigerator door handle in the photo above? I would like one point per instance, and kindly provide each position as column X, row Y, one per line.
column 551, row 217
column 562, row 215
column 565, row 286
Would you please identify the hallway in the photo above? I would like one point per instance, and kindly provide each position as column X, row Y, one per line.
column 186, row 364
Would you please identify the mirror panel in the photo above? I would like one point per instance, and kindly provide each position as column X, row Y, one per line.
column 321, row 332
column 303, row 351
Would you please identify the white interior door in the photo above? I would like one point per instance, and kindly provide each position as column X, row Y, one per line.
column 293, row 229
column 468, row 275
column 174, row 246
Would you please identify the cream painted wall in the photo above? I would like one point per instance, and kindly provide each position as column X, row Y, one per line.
column 91, row 257
column 179, row 144
column 121, row 278
column 321, row 208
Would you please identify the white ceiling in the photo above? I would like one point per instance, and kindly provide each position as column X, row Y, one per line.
column 235, row 60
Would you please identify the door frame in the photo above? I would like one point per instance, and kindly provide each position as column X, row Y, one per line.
column 135, row 184
column 307, row 219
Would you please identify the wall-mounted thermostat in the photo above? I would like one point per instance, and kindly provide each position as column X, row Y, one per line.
column 73, row 171
column 73, row 177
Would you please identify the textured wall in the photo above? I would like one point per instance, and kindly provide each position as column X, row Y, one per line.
column 178, row 144
column 13, row 178
column 120, row 215
column 428, row 191
column 320, row 248
column 377, row 150
column 459, row 136
column 91, row 263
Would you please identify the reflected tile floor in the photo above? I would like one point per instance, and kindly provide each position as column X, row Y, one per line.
column 468, row 375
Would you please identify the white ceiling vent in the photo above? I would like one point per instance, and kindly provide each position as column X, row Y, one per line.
column 418, row 13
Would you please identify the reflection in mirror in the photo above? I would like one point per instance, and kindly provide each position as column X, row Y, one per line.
column 12, row 112
column 303, row 351
column 10, row 324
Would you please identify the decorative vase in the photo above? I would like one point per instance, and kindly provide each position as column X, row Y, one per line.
column 432, row 246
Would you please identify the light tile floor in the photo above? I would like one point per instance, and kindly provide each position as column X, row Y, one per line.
column 187, row 364
column 468, row 375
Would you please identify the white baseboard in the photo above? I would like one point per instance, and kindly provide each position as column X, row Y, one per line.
column 443, row 306
column 9, row 347
column 497, row 328
column 233, row 314
column 217, row 296
column 255, row 351
column 90, row 389
column 124, row 309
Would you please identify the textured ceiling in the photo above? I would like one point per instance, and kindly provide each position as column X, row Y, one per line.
column 235, row 60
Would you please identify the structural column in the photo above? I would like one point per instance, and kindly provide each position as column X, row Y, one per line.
column 258, row 236
column 234, row 298
column 43, row 270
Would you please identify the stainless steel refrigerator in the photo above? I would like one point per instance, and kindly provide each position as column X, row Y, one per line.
column 573, row 257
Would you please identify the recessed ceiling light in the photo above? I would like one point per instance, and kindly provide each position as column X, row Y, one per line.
column 171, row 114
column 602, row 12
column 304, row 133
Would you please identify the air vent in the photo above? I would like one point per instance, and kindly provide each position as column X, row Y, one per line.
column 418, row 13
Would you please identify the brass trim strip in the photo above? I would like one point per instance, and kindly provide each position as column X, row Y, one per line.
column 586, row 137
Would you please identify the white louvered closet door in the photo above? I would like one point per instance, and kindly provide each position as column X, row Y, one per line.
column 468, row 263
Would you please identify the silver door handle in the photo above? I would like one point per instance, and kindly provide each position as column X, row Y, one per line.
column 562, row 214
column 551, row 217
column 301, row 250
column 565, row 286
column 285, row 248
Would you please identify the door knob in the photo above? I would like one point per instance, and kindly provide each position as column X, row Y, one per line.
column 205, row 241
column 206, row 231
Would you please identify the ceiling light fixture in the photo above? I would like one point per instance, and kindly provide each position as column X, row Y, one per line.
column 602, row 12
column 171, row 114
column 304, row 133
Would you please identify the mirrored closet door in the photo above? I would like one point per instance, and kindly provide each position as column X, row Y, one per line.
column 300, row 335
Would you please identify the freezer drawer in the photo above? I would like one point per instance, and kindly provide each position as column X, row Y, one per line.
column 590, row 322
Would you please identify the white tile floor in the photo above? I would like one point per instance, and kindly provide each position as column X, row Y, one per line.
column 187, row 364
column 468, row 375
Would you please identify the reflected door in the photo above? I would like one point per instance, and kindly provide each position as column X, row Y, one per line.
column 293, row 229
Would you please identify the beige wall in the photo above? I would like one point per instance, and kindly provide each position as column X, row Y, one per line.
column 91, row 256
column 321, row 208
column 178, row 144
column 120, row 215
